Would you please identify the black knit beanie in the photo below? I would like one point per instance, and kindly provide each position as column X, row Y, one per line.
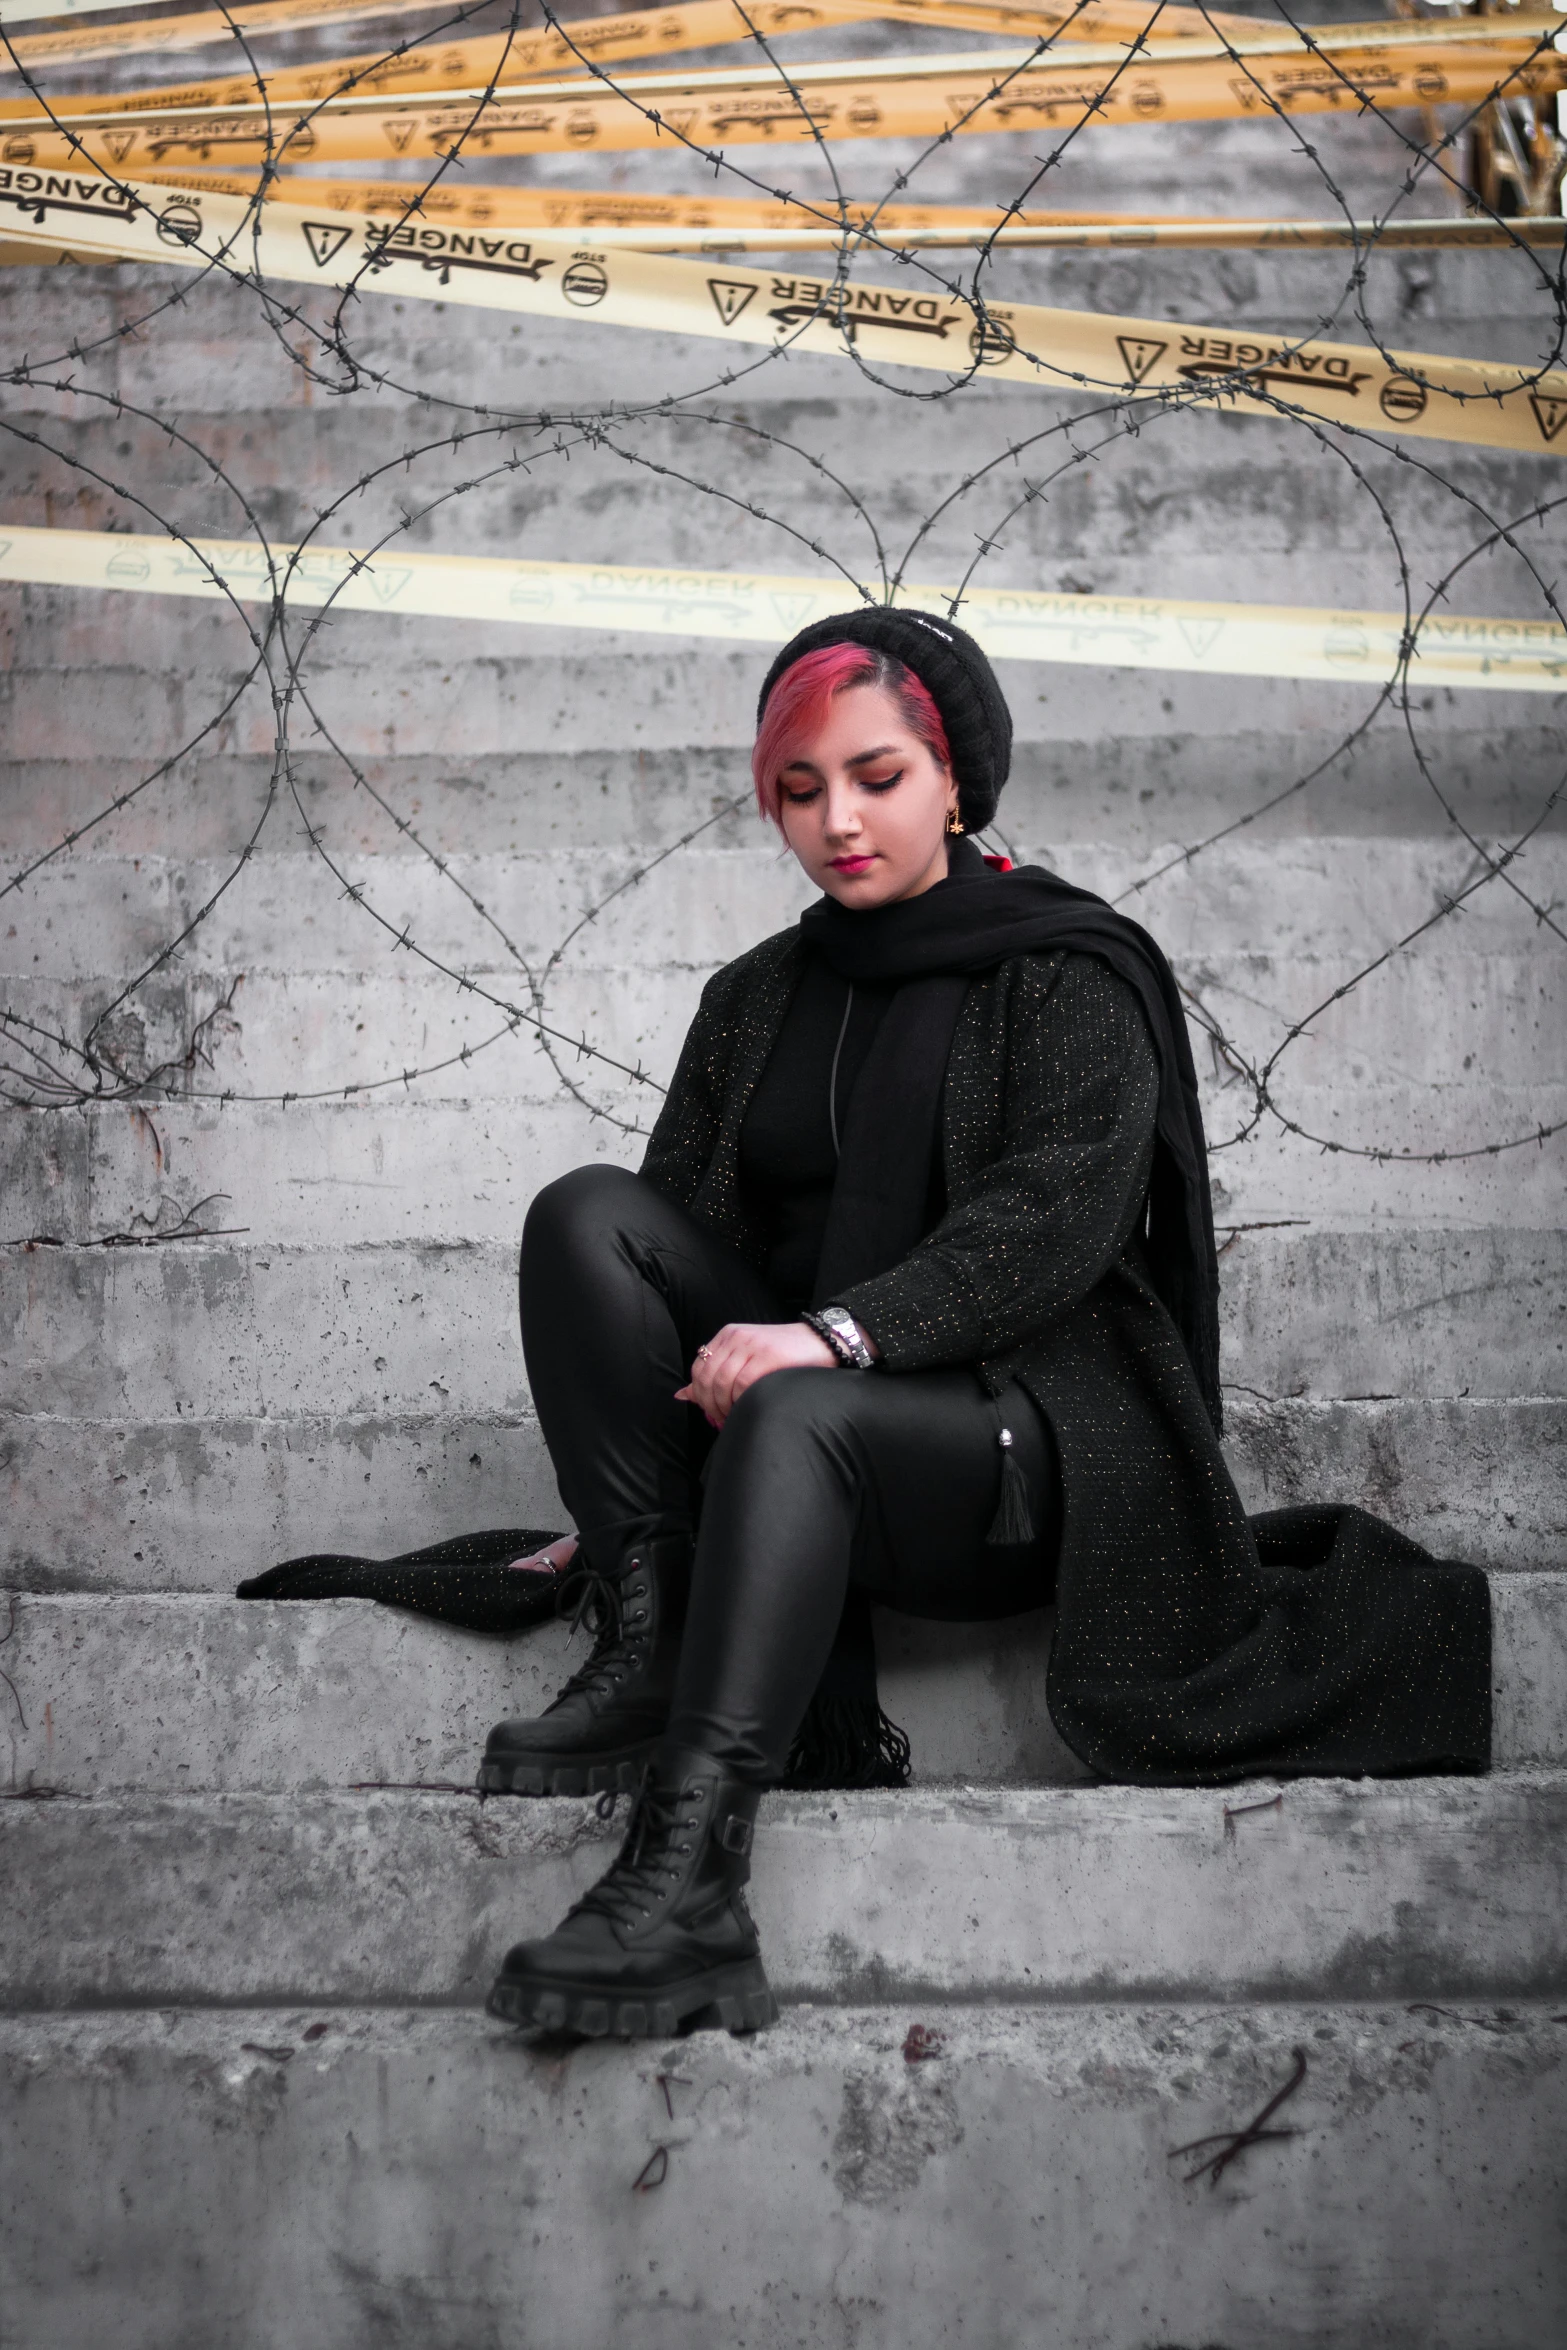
column 955, row 673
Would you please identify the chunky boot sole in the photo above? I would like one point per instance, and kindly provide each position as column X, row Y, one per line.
column 619, row 1772
column 735, row 1997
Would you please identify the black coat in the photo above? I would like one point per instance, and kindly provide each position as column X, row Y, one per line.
column 1191, row 1644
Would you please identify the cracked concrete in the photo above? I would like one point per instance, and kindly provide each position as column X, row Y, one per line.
column 819, row 2190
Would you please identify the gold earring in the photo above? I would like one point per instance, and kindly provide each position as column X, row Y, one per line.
column 954, row 822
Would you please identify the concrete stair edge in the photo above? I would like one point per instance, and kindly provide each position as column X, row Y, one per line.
column 466, row 1169
column 1432, row 1888
column 1014, row 2184
column 194, row 1504
column 220, row 1327
column 175, row 1693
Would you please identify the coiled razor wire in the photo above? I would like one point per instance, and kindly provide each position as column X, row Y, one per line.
column 45, row 1068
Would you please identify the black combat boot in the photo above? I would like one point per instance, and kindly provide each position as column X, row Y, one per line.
column 664, row 1942
column 597, row 1735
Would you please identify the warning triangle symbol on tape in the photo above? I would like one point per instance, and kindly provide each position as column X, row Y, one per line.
column 729, row 297
column 1550, row 415
column 791, row 610
column 387, row 584
column 326, row 239
column 119, row 143
column 1200, row 635
column 398, row 133
column 1139, row 355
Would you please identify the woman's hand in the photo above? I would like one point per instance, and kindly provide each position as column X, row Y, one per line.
column 743, row 1352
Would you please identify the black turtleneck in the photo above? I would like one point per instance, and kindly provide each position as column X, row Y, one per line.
column 788, row 1157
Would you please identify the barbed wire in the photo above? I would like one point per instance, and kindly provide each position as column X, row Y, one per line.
column 43, row 1066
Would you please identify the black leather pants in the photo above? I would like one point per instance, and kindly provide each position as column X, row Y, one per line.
column 819, row 1479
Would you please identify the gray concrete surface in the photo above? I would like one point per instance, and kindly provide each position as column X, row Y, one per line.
column 1506, row 1015
column 227, row 1328
column 162, row 1695
column 1342, row 1889
column 390, row 1170
column 192, row 1504
column 340, row 1368
column 438, row 2183
column 1018, row 2187
column 167, row 1694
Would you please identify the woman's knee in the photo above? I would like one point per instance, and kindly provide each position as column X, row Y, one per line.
column 576, row 1209
column 791, row 1413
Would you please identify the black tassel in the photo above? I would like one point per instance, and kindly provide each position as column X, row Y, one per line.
column 1013, row 1524
column 846, row 1742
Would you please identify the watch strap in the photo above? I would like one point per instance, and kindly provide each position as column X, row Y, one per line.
column 837, row 1325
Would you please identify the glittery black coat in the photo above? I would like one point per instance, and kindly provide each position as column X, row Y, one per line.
column 1191, row 1644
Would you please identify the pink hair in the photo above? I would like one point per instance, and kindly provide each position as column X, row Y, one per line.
column 798, row 705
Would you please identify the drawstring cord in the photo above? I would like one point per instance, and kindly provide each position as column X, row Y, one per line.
column 832, row 1082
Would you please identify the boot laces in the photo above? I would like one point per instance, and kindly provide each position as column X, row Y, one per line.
column 634, row 1885
column 592, row 1600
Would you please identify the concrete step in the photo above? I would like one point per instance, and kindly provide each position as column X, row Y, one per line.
column 1151, row 507
column 816, row 2186
column 1466, row 1478
column 387, row 1168
column 1459, row 1036
column 1339, row 1889
column 531, row 702
column 233, row 1327
column 1180, row 761
column 193, row 1504
column 179, row 1694
column 403, row 1170
column 190, row 1693
column 1382, row 1110
column 1327, row 893
column 87, row 916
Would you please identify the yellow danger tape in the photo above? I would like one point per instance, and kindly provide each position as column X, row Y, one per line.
column 1122, row 632
column 644, row 32
column 450, row 65
column 927, row 97
column 592, row 211
column 293, row 13
column 468, row 68
column 513, row 58
column 1484, row 403
column 1099, row 20
column 638, row 222
column 82, row 44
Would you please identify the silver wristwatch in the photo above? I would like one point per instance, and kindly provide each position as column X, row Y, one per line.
column 842, row 1333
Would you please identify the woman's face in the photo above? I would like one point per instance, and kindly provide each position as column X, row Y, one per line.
column 864, row 806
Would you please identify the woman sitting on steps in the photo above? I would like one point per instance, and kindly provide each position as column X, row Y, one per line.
column 914, row 1301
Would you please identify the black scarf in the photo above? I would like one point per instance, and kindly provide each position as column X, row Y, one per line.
column 933, row 945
